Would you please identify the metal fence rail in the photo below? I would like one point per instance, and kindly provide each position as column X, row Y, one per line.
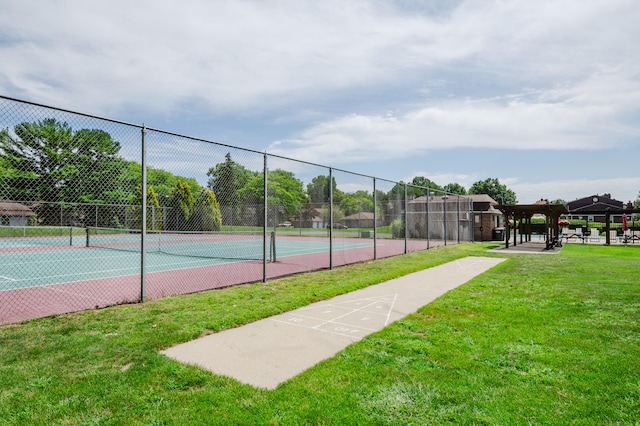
column 155, row 196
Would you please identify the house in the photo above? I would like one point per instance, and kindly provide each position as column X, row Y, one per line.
column 445, row 217
column 318, row 222
column 591, row 208
column 487, row 219
column 14, row 214
column 359, row 220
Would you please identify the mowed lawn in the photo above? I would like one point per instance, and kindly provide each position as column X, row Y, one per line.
column 539, row 339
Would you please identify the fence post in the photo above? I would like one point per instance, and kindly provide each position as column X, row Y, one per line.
column 428, row 221
column 330, row 218
column 264, row 227
column 472, row 219
column 458, row 219
column 375, row 221
column 143, row 252
column 445, row 197
column 406, row 218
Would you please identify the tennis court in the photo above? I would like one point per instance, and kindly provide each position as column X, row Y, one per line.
column 107, row 176
column 47, row 260
column 70, row 271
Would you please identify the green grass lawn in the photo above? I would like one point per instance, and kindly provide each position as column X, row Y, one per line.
column 539, row 339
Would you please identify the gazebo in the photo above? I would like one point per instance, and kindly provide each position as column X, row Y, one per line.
column 523, row 213
column 607, row 213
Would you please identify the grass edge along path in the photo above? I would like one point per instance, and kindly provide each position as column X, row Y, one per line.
column 535, row 340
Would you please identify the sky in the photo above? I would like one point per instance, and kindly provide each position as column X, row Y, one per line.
column 542, row 95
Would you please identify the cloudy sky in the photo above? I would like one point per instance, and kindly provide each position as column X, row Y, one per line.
column 543, row 95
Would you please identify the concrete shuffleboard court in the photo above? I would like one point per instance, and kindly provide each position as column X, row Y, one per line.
column 270, row 351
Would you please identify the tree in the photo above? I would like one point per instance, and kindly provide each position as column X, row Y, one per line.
column 455, row 188
column 425, row 183
column 309, row 211
column 493, row 188
column 206, row 212
column 46, row 161
column 284, row 190
column 154, row 219
column 318, row 189
column 636, row 205
column 163, row 182
column 227, row 178
column 359, row 201
column 98, row 167
column 415, row 189
column 182, row 202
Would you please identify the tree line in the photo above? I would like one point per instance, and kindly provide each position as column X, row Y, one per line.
column 48, row 162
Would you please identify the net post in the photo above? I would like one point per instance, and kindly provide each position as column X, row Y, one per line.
column 71, row 236
column 272, row 256
column 87, row 232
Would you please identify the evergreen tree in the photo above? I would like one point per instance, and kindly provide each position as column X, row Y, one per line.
column 181, row 201
column 154, row 216
column 206, row 213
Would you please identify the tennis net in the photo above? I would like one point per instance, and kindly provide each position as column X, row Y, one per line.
column 236, row 245
column 40, row 235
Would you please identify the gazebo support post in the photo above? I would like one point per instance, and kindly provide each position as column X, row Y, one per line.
column 608, row 228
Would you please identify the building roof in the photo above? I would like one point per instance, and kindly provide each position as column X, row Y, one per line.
column 8, row 208
column 483, row 198
column 528, row 210
column 594, row 203
column 359, row 216
column 476, row 198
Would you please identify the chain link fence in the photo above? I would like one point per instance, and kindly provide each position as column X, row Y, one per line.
column 97, row 212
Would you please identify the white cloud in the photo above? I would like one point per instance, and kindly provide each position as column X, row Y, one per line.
column 514, row 75
column 572, row 118
column 442, row 179
column 240, row 55
column 621, row 189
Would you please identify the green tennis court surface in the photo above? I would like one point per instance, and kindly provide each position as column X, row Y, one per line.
column 45, row 260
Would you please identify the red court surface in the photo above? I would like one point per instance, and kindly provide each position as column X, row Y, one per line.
column 46, row 300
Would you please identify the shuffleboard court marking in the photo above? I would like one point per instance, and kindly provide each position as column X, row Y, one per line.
column 270, row 351
column 468, row 263
column 354, row 319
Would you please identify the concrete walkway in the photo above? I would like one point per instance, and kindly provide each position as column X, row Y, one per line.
column 268, row 352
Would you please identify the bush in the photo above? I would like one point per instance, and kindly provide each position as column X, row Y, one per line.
column 397, row 228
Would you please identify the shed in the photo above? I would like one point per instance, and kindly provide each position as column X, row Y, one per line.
column 14, row 214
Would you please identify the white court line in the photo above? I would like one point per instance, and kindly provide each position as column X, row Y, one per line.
column 64, row 282
column 7, row 278
column 313, row 250
column 112, row 273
